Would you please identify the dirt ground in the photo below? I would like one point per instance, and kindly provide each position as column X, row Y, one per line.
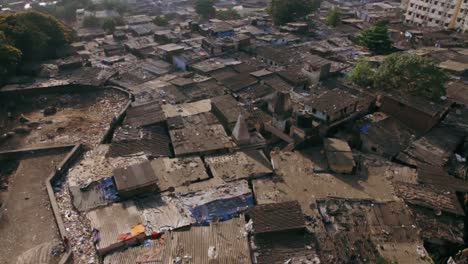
column 80, row 118
column 28, row 220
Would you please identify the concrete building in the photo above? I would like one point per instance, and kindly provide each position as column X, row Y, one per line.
column 438, row 13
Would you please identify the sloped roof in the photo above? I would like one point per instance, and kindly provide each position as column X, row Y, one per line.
column 134, row 177
column 178, row 171
column 104, row 220
column 276, row 217
column 222, row 243
column 239, row 165
column 144, row 115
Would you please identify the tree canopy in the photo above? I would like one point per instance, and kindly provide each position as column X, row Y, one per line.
column 362, row 74
column 229, row 14
column 91, row 22
column 109, row 24
column 334, row 17
column 205, row 8
column 284, row 11
column 160, row 21
column 404, row 73
column 376, row 38
column 117, row 5
column 29, row 36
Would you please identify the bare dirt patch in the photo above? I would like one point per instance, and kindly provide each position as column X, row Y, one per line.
column 59, row 118
column 27, row 220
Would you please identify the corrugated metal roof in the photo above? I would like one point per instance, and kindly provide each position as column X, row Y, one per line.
column 437, row 176
column 221, row 243
column 239, row 165
column 151, row 255
column 225, row 191
column 113, row 220
column 277, row 217
column 161, row 213
column 134, row 177
column 187, row 109
column 144, row 115
column 153, row 140
column 178, row 171
column 197, row 133
column 222, row 202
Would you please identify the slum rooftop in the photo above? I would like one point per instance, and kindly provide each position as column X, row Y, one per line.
column 210, row 141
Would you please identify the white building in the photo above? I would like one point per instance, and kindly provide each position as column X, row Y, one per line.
column 438, row 13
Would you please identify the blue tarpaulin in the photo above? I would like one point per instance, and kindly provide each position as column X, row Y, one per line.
column 222, row 202
column 221, row 209
column 365, row 128
column 109, row 190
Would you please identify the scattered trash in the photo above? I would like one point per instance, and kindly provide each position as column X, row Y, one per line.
column 147, row 243
column 460, row 158
column 50, row 111
column 249, row 226
column 420, row 251
column 24, row 119
column 212, row 252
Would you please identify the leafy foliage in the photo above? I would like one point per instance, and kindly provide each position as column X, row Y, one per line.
column 376, row 38
column 284, row 11
column 109, row 24
column 29, row 36
column 229, row 14
column 334, row 17
column 362, row 73
column 91, row 22
column 117, row 5
column 161, row 21
column 412, row 74
column 205, row 8
column 10, row 56
column 404, row 73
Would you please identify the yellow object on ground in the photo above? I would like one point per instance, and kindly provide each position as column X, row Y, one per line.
column 137, row 229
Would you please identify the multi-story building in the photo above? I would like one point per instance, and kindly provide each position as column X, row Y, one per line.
column 449, row 14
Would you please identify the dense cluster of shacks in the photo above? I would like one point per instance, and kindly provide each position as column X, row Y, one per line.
column 244, row 144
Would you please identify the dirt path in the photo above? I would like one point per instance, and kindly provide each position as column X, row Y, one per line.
column 28, row 220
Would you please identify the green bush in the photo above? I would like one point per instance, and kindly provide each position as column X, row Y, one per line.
column 284, row 11
column 376, row 38
column 30, row 36
column 334, row 17
column 404, row 73
column 205, row 8
column 229, row 14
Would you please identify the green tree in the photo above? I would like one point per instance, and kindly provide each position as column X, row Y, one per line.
column 35, row 34
column 376, row 38
column 29, row 36
column 229, row 14
column 334, row 17
column 91, row 22
column 362, row 74
column 205, row 8
column 403, row 73
column 109, row 24
column 160, row 21
column 412, row 74
column 10, row 56
column 284, row 11
column 117, row 5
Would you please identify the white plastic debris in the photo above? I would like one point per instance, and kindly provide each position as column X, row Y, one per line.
column 420, row 251
column 212, row 252
column 460, row 158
